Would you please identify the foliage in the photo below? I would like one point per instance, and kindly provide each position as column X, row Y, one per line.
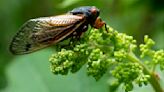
column 108, row 50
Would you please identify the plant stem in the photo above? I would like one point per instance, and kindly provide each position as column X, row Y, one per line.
column 153, row 78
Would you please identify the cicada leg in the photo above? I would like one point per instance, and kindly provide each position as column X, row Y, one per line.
column 78, row 33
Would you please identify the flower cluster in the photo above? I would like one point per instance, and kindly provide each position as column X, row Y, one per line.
column 157, row 57
column 108, row 50
column 146, row 48
column 90, row 50
column 97, row 64
column 128, row 73
column 62, row 61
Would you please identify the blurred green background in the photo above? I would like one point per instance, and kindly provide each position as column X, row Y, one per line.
column 31, row 73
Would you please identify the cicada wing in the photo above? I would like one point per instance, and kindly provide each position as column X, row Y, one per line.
column 39, row 33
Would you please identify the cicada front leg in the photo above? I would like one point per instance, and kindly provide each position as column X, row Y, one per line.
column 80, row 31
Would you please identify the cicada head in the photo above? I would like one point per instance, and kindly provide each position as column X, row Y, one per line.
column 91, row 14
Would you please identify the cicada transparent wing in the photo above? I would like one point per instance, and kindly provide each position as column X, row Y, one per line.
column 38, row 33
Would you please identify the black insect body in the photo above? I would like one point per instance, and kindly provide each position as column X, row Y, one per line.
column 41, row 32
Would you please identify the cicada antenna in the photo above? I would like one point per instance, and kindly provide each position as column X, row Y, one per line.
column 106, row 27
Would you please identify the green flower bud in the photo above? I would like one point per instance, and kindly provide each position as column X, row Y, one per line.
column 158, row 58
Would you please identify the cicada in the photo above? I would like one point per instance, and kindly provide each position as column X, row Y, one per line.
column 39, row 33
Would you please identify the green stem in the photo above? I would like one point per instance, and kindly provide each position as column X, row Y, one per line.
column 153, row 78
